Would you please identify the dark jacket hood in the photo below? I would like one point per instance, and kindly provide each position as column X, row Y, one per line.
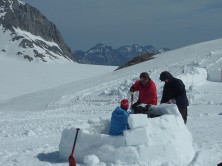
column 165, row 75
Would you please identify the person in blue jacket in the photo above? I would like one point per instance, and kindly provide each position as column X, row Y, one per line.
column 119, row 119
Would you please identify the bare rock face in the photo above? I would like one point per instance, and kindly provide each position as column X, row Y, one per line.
column 36, row 37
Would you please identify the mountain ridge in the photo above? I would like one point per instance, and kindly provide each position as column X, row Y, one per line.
column 102, row 54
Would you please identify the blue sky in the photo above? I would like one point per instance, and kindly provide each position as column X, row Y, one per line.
column 161, row 23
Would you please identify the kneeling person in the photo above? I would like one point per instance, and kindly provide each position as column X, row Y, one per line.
column 119, row 119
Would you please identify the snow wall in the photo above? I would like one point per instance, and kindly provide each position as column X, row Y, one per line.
column 193, row 76
column 163, row 140
column 215, row 75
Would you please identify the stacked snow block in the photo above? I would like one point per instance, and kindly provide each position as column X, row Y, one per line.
column 164, row 140
column 137, row 123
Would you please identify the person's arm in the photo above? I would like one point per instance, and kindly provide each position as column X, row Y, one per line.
column 164, row 96
column 136, row 85
column 153, row 94
column 180, row 89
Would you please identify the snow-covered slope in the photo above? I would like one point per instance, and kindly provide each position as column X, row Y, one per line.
column 34, row 52
column 19, row 77
column 32, row 124
column 27, row 35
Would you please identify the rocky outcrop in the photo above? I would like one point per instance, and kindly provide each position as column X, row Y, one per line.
column 19, row 18
column 137, row 59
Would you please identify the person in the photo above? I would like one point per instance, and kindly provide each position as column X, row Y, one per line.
column 174, row 93
column 119, row 119
column 147, row 93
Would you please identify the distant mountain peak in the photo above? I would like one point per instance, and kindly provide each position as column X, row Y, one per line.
column 102, row 54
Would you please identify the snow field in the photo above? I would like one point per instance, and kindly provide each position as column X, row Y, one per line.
column 31, row 125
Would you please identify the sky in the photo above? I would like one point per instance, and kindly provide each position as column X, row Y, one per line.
column 163, row 23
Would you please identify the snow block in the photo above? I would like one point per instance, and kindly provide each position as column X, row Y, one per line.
column 137, row 120
column 215, row 75
column 131, row 136
column 165, row 109
column 164, row 140
column 101, row 145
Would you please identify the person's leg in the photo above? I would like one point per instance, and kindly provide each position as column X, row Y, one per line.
column 220, row 164
column 135, row 105
column 136, row 111
column 183, row 112
column 139, row 110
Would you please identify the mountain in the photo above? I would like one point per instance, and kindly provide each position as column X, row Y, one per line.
column 102, row 54
column 26, row 34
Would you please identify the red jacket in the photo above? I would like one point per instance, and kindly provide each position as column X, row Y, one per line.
column 147, row 93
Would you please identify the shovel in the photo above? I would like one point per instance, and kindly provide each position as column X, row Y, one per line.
column 72, row 161
column 131, row 102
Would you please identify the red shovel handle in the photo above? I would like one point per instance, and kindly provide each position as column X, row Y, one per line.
column 131, row 102
column 72, row 161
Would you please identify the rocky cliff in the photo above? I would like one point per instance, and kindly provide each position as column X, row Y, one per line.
column 36, row 38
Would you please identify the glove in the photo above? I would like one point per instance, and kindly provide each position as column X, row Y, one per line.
column 148, row 107
column 135, row 105
column 132, row 89
column 171, row 101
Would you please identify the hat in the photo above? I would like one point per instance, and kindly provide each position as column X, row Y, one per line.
column 165, row 75
column 124, row 104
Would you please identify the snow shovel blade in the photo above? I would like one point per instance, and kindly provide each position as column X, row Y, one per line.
column 72, row 161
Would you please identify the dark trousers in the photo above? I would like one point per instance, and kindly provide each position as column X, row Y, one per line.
column 142, row 110
column 220, row 164
column 183, row 112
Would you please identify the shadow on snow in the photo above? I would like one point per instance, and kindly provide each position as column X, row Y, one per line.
column 52, row 157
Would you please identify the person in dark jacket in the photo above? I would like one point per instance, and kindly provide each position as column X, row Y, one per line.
column 174, row 93
column 147, row 92
column 119, row 119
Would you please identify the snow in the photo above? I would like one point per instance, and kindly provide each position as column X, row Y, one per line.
column 135, row 137
column 159, row 140
column 2, row 12
column 11, row 48
column 136, row 121
column 21, row 2
column 37, row 117
column 32, row 37
column 215, row 75
column 20, row 78
column 91, row 160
